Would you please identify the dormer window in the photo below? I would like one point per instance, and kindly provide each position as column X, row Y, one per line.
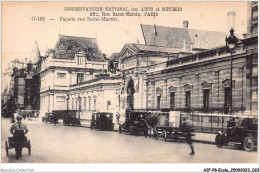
column 80, row 60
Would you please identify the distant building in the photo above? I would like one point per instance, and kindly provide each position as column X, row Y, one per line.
column 73, row 62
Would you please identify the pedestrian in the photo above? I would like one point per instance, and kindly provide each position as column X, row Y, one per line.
column 55, row 118
column 18, row 130
column 118, row 117
column 189, row 141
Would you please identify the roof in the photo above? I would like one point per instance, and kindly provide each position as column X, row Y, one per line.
column 173, row 37
column 35, row 54
column 135, row 48
column 68, row 46
column 148, row 48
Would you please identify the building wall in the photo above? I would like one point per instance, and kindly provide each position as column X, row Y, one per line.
column 216, row 73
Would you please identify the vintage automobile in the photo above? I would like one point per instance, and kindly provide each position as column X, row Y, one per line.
column 135, row 123
column 239, row 130
column 48, row 118
column 11, row 143
column 70, row 118
column 102, row 121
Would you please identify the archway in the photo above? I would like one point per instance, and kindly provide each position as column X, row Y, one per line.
column 130, row 94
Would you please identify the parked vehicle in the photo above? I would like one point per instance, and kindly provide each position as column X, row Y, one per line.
column 70, row 118
column 173, row 126
column 135, row 123
column 102, row 121
column 239, row 130
column 48, row 118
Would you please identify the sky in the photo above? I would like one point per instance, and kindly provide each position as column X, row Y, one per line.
column 19, row 32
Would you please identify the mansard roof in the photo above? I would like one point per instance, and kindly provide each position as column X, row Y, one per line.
column 173, row 37
column 68, row 46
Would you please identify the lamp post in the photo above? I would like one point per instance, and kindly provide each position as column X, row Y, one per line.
column 79, row 99
column 231, row 42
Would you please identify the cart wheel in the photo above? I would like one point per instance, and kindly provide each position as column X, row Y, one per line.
column 165, row 135
column 249, row 144
column 219, row 140
column 6, row 148
column 29, row 147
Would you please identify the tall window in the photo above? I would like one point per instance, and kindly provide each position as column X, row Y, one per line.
column 72, row 104
column 187, row 99
column 172, row 100
column 85, row 103
column 158, row 102
column 206, row 98
column 95, row 101
column 80, row 77
column 76, row 104
column 227, row 100
column 89, row 103
column 108, row 104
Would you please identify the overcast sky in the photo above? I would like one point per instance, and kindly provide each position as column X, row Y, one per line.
column 19, row 32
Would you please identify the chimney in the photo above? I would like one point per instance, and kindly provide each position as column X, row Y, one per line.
column 185, row 24
column 231, row 20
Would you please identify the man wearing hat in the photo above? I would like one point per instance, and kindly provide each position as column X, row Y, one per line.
column 19, row 130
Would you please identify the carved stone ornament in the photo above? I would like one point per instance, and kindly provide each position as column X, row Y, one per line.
column 226, row 83
column 188, row 87
column 172, row 89
column 206, row 85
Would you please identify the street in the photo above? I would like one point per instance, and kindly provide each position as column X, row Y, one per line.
column 68, row 144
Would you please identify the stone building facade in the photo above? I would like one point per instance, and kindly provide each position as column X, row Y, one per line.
column 191, row 71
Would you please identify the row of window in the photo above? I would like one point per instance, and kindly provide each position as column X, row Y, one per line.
column 89, row 104
column 80, row 76
column 188, row 99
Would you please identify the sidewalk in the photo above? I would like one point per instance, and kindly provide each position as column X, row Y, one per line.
column 206, row 138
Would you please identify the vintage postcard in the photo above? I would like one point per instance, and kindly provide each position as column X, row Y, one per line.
column 130, row 82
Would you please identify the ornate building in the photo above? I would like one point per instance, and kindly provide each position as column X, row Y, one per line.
column 183, row 69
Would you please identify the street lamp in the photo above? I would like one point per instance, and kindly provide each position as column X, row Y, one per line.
column 231, row 42
column 79, row 99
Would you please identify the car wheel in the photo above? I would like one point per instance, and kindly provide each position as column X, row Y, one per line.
column 219, row 141
column 249, row 144
column 6, row 148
